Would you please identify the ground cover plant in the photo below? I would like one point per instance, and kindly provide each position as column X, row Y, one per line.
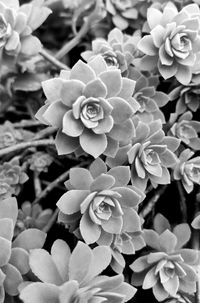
column 99, row 151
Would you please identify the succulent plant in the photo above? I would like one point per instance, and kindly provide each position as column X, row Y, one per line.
column 187, row 170
column 91, row 106
column 185, row 129
column 73, row 277
column 169, row 268
column 173, row 41
column 118, row 50
column 14, row 256
column 32, row 216
column 17, row 24
column 99, row 204
column 150, row 154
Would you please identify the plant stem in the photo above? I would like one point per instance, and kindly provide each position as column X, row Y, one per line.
column 44, row 133
column 53, row 60
column 37, row 184
column 152, row 202
column 82, row 32
column 183, row 205
column 26, row 123
column 51, row 221
column 51, row 186
column 16, row 148
column 55, row 183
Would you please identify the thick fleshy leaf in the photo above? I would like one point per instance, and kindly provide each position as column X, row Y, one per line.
column 159, row 292
column 172, row 285
column 131, row 220
column 80, row 262
column 154, row 17
column 40, row 292
column 157, row 34
column 64, row 144
column 61, row 253
column 121, row 110
column 123, row 132
column 42, row 265
column 70, row 126
column 127, row 290
column 70, row 91
column 30, row 46
column 148, row 62
column 101, row 260
column 54, row 114
column 113, row 225
column 90, row 231
column 184, row 74
column 183, row 234
column 20, row 259
column 129, row 198
column 98, row 64
column 167, row 241
column 146, row 45
column 127, row 90
column 80, row 178
column 93, row 144
column 30, row 239
column 140, row 264
column 11, row 3
column 171, row 142
column 190, row 256
column 150, row 279
column 12, row 280
column 52, row 89
column 5, row 251
column 95, row 89
column 151, row 238
column 6, row 229
column 38, row 15
column 121, row 174
column 113, row 81
column 68, row 291
column 9, row 209
column 98, row 167
column 167, row 71
column 161, row 223
column 196, row 222
column 70, row 202
column 104, row 181
column 83, row 72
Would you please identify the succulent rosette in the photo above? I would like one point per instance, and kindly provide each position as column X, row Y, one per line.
column 122, row 12
column 173, row 41
column 99, row 203
column 91, row 106
column 74, row 277
column 149, row 99
column 14, row 256
column 186, row 97
column 187, row 170
column 12, row 177
column 185, row 129
column 32, row 216
column 17, row 24
column 40, row 162
column 150, row 155
column 127, row 244
column 169, row 268
column 118, row 50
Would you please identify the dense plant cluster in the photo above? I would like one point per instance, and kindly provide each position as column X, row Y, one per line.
column 99, row 151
